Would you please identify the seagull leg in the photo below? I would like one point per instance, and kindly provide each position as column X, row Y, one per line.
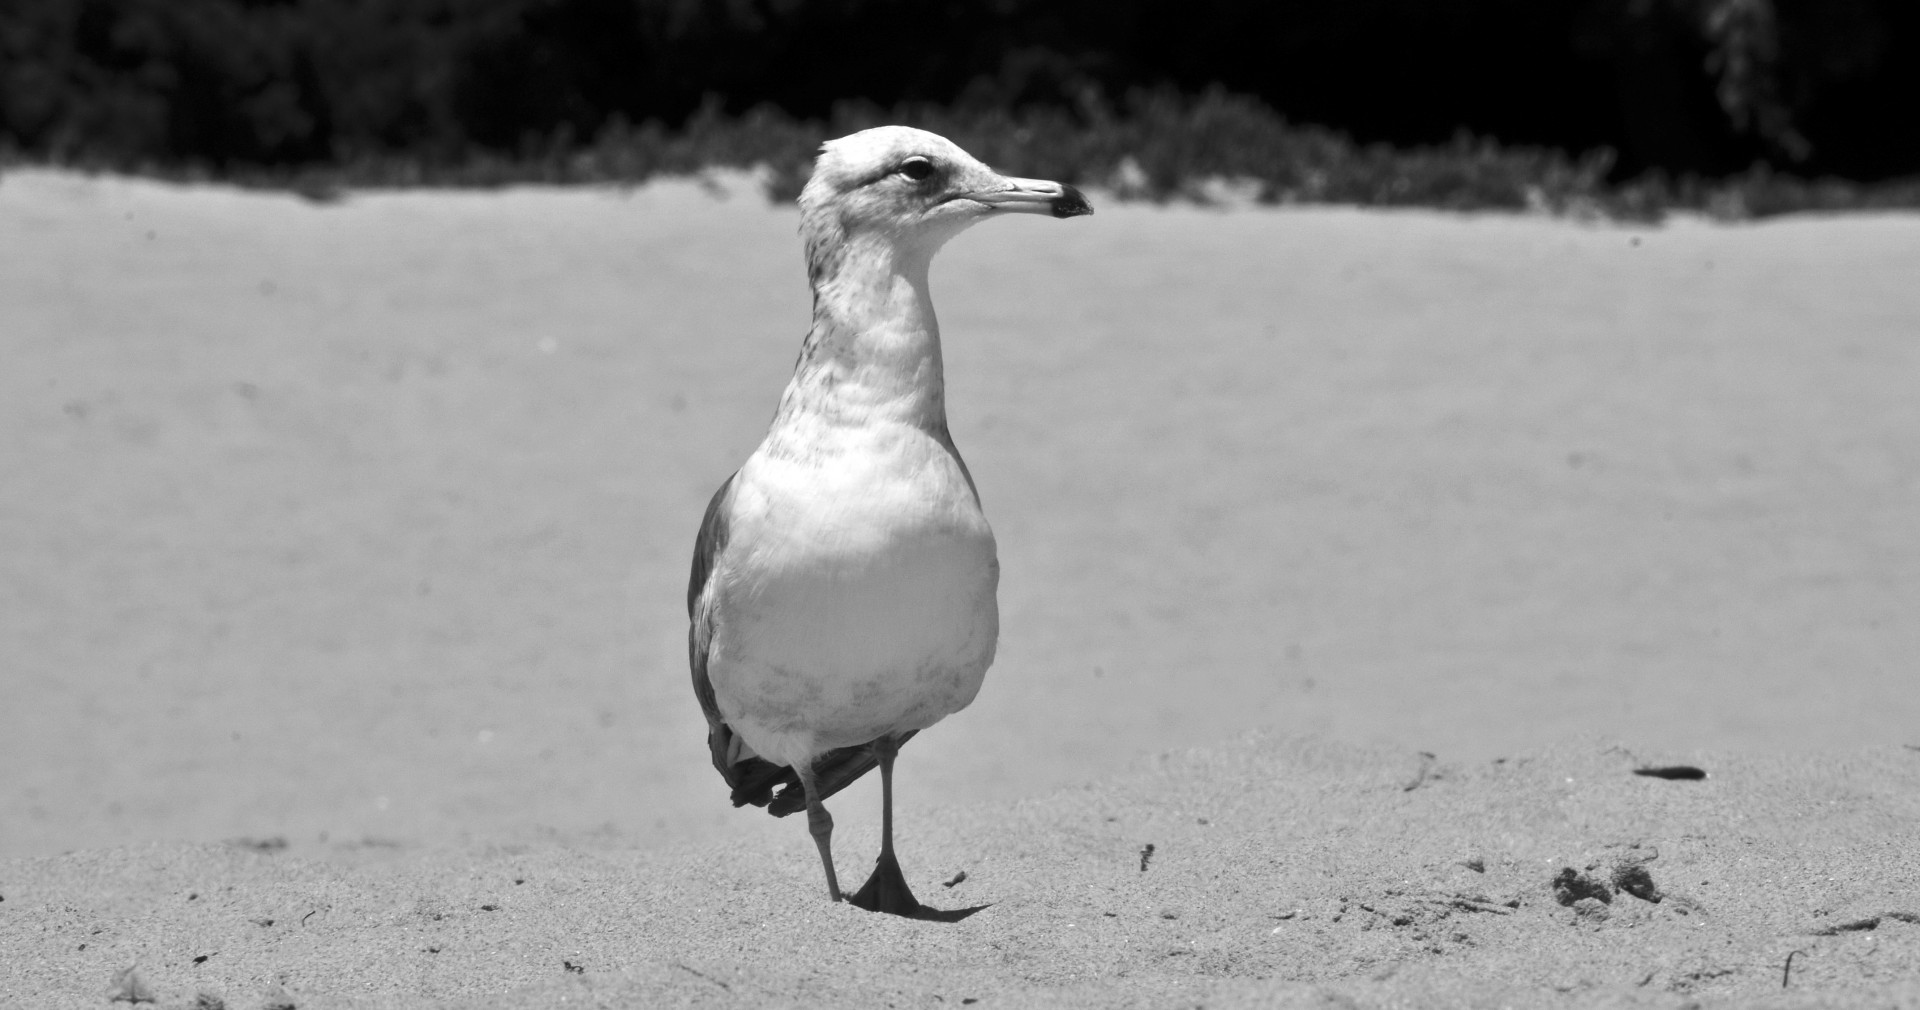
column 887, row 891
column 820, row 825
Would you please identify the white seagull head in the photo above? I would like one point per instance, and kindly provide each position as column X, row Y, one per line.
column 910, row 190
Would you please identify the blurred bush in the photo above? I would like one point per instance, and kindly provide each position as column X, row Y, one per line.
column 1154, row 97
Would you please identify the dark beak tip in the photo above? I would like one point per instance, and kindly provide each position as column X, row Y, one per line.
column 1071, row 203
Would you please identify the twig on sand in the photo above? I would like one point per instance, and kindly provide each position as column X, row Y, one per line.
column 1420, row 776
column 1786, row 970
column 702, row 976
column 1673, row 773
column 1470, row 903
column 1870, row 922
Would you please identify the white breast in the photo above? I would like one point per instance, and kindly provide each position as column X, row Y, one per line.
column 857, row 595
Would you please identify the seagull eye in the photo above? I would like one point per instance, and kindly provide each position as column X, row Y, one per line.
column 916, row 168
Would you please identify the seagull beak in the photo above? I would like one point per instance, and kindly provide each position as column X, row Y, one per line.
column 1034, row 196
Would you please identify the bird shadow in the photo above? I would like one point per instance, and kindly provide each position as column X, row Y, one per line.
column 903, row 904
column 887, row 892
column 928, row 913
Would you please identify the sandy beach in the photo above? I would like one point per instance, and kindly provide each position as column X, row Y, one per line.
column 1265, row 873
column 345, row 548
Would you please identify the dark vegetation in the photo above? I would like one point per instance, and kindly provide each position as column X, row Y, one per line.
column 1623, row 106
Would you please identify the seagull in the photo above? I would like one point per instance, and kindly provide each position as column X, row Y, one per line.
column 842, row 593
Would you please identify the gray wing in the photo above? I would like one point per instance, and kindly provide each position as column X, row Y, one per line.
column 711, row 541
column 945, row 438
column 752, row 779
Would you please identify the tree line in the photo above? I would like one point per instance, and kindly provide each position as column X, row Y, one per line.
column 1683, row 87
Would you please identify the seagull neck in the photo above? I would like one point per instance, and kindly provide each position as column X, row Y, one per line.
column 874, row 350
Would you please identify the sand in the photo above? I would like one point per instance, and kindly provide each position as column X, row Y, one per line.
column 357, row 534
column 1265, row 873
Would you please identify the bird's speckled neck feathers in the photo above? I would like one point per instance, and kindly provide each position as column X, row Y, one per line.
column 873, row 353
